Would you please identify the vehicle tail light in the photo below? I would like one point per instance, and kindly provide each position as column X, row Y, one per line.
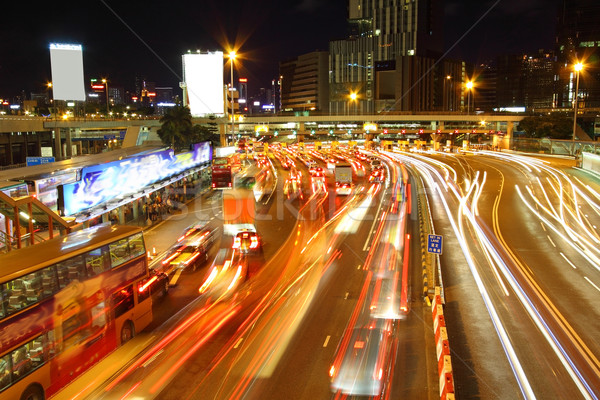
column 254, row 242
column 237, row 243
column 214, row 185
column 147, row 284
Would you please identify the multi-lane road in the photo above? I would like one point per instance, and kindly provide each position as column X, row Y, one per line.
column 335, row 309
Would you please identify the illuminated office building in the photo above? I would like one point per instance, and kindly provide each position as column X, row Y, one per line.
column 578, row 40
column 405, row 33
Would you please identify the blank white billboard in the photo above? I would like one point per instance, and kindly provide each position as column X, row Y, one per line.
column 66, row 62
column 203, row 76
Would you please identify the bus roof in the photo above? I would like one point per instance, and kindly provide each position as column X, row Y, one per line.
column 23, row 261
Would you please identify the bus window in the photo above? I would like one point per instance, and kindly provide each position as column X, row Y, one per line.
column 3, row 302
column 96, row 261
column 119, row 252
column 22, row 292
column 5, row 376
column 74, row 322
column 98, row 316
column 122, row 300
column 49, row 282
column 71, row 270
column 136, row 245
column 21, row 362
column 36, row 352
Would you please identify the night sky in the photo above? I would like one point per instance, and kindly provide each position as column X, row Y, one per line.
column 125, row 37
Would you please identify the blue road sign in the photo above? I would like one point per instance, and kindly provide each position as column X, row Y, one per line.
column 434, row 244
column 39, row 160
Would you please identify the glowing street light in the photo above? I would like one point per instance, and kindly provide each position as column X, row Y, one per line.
column 446, row 94
column 353, row 97
column 469, row 85
column 231, row 58
column 577, row 67
column 105, row 81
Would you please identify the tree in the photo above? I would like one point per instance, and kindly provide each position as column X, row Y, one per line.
column 178, row 131
column 204, row 133
column 553, row 126
column 176, row 128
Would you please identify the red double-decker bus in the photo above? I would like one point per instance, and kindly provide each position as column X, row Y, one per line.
column 223, row 169
column 67, row 303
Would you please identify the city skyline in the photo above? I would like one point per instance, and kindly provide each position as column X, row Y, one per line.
column 122, row 40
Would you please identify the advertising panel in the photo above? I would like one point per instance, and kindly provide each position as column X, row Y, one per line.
column 114, row 180
column 66, row 63
column 203, row 76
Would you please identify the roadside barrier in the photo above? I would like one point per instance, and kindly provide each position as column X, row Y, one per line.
column 442, row 348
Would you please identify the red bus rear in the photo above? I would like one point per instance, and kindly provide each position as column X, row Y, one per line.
column 223, row 169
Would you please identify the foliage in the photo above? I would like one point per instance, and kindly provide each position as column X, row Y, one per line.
column 178, row 131
column 553, row 126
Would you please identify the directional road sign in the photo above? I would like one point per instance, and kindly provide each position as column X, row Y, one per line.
column 434, row 244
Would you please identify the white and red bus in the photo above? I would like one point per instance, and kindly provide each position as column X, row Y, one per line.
column 68, row 302
column 223, row 170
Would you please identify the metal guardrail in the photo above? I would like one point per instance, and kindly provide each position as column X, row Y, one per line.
column 5, row 240
column 12, row 166
column 555, row 146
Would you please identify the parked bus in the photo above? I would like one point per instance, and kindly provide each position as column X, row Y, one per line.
column 223, row 169
column 66, row 304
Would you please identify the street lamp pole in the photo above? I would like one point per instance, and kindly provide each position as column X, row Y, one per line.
column 446, row 95
column 231, row 58
column 105, row 81
column 353, row 97
column 469, row 88
column 578, row 67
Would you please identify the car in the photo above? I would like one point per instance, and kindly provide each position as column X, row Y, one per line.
column 375, row 163
column 190, row 251
column 364, row 364
column 157, row 283
column 343, row 188
column 377, row 176
column 310, row 164
column 246, row 241
column 315, row 170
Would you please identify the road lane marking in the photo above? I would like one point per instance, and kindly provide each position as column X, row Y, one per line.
column 550, row 240
column 346, row 296
column 592, row 283
column 175, row 277
column 326, row 341
column 237, row 344
column 567, row 260
column 543, row 227
column 375, row 220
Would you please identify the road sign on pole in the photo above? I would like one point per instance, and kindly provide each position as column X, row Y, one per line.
column 434, row 244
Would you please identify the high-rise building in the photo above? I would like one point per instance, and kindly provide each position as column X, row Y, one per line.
column 526, row 80
column 304, row 84
column 578, row 40
column 243, row 99
column 484, row 96
column 385, row 31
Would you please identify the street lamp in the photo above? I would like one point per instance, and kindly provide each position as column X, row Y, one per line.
column 105, row 81
column 231, row 58
column 577, row 67
column 446, row 94
column 353, row 97
column 469, row 88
